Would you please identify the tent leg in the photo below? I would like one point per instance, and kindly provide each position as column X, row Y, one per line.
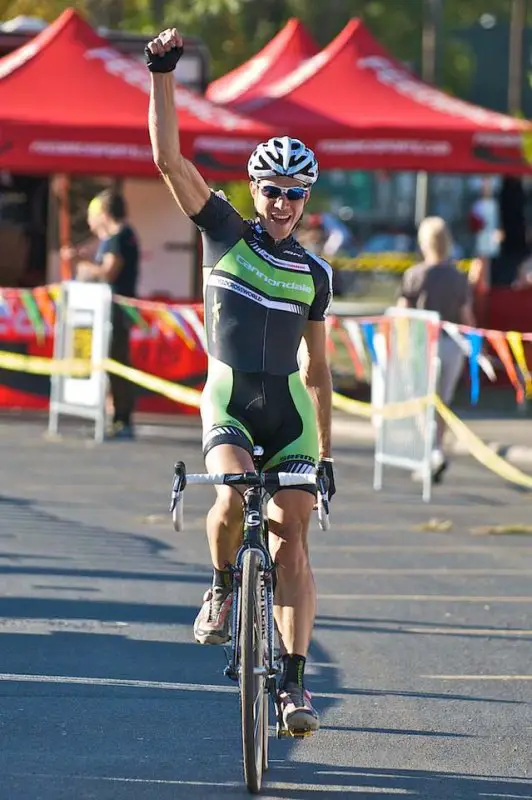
column 65, row 226
column 422, row 197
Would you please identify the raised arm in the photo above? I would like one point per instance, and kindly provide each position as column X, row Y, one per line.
column 181, row 176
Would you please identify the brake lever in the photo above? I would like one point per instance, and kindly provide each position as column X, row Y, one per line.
column 178, row 484
column 322, row 482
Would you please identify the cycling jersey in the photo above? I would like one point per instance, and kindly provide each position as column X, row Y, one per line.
column 259, row 295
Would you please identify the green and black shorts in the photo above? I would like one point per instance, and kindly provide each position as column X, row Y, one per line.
column 274, row 411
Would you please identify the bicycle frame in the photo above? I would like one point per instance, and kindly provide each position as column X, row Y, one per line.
column 255, row 527
column 253, row 486
column 254, row 537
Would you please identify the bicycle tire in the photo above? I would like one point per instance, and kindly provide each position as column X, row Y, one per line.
column 252, row 686
column 265, row 732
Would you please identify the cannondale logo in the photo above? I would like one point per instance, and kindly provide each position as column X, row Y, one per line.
column 298, row 287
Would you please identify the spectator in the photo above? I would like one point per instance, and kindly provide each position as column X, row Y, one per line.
column 485, row 224
column 311, row 234
column 514, row 247
column 437, row 285
column 117, row 263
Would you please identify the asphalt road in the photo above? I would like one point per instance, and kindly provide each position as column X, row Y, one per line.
column 420, row 664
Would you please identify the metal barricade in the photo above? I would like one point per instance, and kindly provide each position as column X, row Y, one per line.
column 409, row 373
column 82, row 331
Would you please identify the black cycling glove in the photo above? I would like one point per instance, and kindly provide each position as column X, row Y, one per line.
column 325, row 467
column 164, row 63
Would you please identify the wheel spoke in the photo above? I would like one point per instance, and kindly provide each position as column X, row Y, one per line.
column 252, row 671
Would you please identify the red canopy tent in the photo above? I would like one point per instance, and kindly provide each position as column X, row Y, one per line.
column 71, row 103
column 361, row 109
column 286, row 51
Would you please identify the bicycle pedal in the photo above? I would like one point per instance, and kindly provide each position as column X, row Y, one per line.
column 285, row 733
column 299, row 734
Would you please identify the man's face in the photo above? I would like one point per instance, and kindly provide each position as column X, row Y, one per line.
column 279, row 215
column 96, row 223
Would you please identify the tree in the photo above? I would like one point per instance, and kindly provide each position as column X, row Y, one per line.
column 234, row 30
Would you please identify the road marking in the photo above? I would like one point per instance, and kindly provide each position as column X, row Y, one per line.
column 138, row 684
column 469, row 631
column 178, row 687
column 435, row 598
column 418, row 571
column 275, row 785
column 434, row 629
column 478, row 677
column 507, row 796
column 410, row 548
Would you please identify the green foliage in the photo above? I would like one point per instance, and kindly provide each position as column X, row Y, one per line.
column 237, row 192
column 233, row 30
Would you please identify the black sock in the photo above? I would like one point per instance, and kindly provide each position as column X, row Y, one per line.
column 222, row 578
column 293, row 670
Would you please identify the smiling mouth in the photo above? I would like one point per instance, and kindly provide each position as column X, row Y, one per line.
column 281, row 218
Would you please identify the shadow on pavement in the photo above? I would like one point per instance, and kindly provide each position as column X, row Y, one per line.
column 362, row 625
column 300, row 782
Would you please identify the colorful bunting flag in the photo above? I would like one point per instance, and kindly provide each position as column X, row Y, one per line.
column 134, row 315
column 184, row 328
column 173, row 323
column 45, row 305
column 191, row 316
column 368, row 329
column 166, row 327
column 475, row 342
column 32, row 310
column 516, row 343
column 484, row 363
column 354, row 343
column 498, row 341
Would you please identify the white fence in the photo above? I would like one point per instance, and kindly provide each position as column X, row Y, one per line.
column 82, row 331
column 407, row 370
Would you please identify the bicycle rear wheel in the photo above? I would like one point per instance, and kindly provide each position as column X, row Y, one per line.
column 266, row 732
column 252, row 671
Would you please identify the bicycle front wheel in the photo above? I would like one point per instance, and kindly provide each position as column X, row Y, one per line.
column 252, row 670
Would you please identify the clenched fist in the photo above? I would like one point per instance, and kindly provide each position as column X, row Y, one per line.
column 163, row 52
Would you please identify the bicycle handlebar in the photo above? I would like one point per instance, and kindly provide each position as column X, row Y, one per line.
column 265, row 480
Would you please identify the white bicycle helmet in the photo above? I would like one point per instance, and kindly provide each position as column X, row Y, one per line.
column 283, row 156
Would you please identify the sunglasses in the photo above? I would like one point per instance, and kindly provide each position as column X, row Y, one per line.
column 273, row 192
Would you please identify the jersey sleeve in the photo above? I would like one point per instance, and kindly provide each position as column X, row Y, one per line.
column 323, row 296
column 221, row 227
column 112, row 245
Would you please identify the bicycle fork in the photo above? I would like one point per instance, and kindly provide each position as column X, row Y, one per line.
column 267, row 623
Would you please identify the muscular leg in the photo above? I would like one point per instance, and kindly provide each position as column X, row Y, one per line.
column 224, row 531
column 224, row 520
column 289, row 514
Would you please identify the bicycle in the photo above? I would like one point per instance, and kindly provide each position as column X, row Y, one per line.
column 253, row 662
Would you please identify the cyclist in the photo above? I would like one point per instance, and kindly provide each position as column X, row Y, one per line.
column 265, row 299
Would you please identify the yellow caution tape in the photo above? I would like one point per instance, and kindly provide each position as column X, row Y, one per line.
column 476, row 446
column 44, row 366
column 385, row 262
column 408, row 408
column 78, row 368
column 481, row 451
column 174, row 391
column 183, row 394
